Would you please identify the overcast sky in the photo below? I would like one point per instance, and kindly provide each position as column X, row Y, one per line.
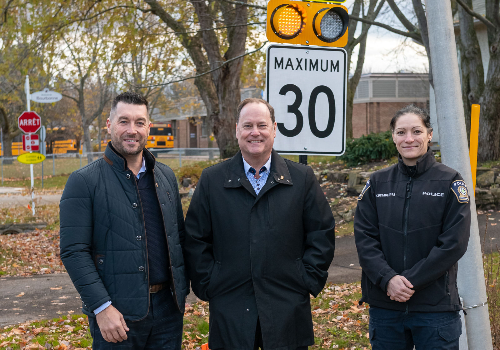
column 390, row 53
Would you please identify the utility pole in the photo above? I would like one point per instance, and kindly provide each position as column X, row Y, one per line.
column 455, row 154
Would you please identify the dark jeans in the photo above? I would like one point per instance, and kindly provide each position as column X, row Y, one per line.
column 161, row 329
column 397, row 330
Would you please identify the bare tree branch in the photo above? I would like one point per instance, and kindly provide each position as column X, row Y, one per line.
column 201, row 74
column 245, row 4
column 477, row 15
column 365, row 29
column 402, row 18
column 413, row 35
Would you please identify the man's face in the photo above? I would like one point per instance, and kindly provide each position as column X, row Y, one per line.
column 129, row 128
column 255, row 131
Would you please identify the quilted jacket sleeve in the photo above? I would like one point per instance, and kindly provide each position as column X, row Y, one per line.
column 76, row 217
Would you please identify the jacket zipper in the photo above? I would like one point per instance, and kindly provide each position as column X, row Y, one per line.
column 409, row 186
column 168, row 246
column 145, row 240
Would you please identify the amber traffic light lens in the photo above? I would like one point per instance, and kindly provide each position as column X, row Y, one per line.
column 288, row 21
column 330, row 25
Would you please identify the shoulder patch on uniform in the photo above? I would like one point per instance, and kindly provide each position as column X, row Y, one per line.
column 367, row 186
column 459, row 188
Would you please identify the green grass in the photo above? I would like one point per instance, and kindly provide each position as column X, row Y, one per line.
column 345, row 229
column 49, row 183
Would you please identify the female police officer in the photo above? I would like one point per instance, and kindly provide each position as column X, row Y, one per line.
column 411, row 227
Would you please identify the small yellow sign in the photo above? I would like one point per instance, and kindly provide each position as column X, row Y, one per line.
column 31, row 158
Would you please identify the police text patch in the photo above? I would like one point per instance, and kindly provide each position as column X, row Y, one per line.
column 459, row 188
column 367, row 186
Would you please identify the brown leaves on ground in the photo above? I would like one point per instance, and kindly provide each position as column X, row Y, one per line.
column 195, row 326
column 30, row 253
column 21, row 215
column 339, row 322
column 65, row 333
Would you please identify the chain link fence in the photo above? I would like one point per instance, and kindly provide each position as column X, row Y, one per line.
column 65, row 164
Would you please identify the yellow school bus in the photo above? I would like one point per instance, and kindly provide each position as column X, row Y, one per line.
column 160, row 136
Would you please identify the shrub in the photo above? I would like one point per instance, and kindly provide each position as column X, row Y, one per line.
column 369, row 148
column 193, row 171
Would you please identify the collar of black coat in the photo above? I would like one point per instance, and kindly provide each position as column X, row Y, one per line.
column 424, row 163
column 236, row 172
column 116, row 160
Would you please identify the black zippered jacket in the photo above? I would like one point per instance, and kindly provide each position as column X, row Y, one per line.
column 417, row 227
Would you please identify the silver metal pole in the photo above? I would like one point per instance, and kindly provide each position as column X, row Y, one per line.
column 53, row 163
column 3, row 149
column 455, row 153
column 28, row 103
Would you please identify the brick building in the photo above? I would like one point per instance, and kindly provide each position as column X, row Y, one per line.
column 380, row 95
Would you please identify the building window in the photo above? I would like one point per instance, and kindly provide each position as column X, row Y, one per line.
column 364, row 89
column 413, row 88
column 174, row 128
column 384, row 88
column 204, row 127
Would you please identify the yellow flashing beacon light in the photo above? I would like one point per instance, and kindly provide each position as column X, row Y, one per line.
column 307, row 23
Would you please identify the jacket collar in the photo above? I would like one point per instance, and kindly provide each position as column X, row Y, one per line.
column 423, row 164
column 236, row 177
column 117, row 161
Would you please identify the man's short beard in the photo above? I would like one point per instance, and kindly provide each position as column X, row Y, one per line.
column 118, row 146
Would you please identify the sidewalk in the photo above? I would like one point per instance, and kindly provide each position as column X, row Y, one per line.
column 13, row 196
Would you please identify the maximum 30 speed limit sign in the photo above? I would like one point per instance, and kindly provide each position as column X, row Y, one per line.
column 307, row 88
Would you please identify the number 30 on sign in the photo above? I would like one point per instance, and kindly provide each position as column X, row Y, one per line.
column 307, row 88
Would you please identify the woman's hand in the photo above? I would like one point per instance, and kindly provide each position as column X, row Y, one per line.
column 399, row 289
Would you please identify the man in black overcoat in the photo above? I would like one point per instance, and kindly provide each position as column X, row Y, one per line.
column 259, row 241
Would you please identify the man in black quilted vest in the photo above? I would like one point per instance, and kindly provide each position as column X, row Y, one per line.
column 122, row 238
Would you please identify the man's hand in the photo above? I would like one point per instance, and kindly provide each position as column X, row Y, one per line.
column 112, row 325
column 398, row 289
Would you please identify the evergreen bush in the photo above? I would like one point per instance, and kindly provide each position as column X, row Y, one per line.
column 369, row 148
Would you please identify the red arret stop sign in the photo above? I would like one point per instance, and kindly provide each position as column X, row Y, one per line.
column 29, row 122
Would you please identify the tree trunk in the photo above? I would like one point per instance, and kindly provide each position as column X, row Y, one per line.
column 472, row 73
column 489, row 123
column 224, row 125
column 352, row 83
column 7, row 144
column 87, row 143
column 227, row 78
column 219, row 90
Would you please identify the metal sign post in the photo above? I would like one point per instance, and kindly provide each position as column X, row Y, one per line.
column 454, row 152
column 28, row 106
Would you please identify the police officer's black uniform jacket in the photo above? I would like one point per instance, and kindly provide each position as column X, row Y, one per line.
column 414, row 226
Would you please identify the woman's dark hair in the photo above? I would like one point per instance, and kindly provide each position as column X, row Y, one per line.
column 412, row 109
